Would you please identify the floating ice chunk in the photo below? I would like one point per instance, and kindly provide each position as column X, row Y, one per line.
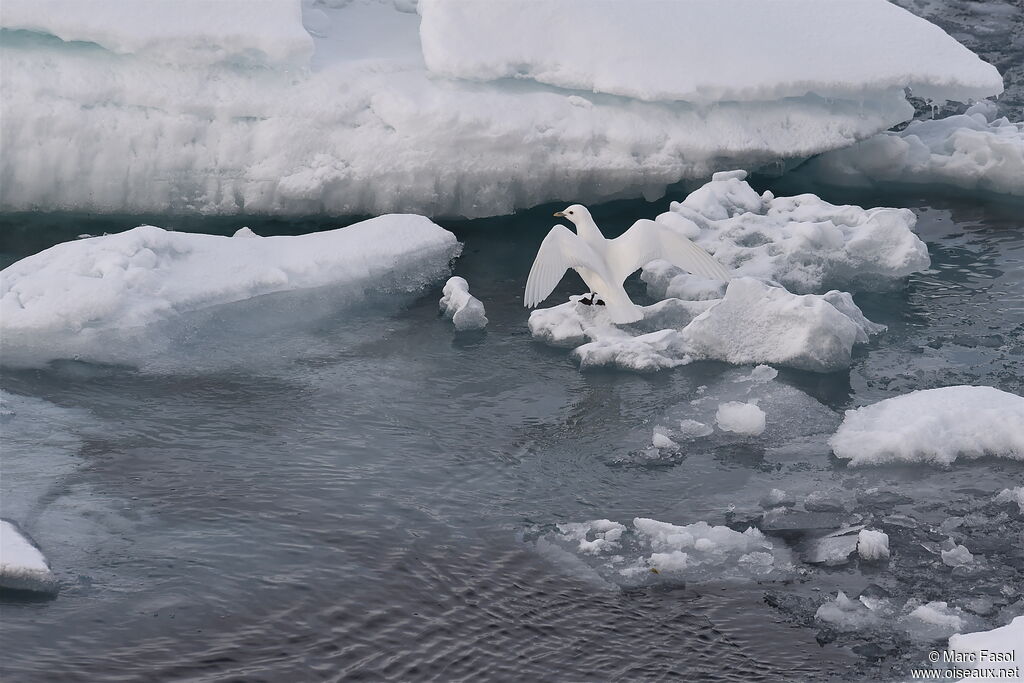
column 662, row 441
column 821, row 501
column 934, row 425
column 464, row 309
column 740, row 418
column 1014, row 495
column 832, row 549
column 805, row 331
column 758, row 323
column 935, row 620
column 957, row 556
column 594, row 537
column 983, row 644
column 693, row 429
column 696, row 552
column 802, row 242
column 763, row 373
column 22, row 566
column 848, row 615
column 703, row 552
column 777, row 498
column 873, row 544
column 972, row 151
column 634, row 49
column 93, row 298
column 174, row 31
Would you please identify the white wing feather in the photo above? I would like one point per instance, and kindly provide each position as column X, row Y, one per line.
column 647, row 241
column 561, row 250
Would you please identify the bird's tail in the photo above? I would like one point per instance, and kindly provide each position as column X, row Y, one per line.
column 620, row 308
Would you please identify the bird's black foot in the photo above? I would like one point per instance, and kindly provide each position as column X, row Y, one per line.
column 591, row 300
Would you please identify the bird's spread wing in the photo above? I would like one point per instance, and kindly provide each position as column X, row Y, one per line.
column 561, row 249
column 647, row 241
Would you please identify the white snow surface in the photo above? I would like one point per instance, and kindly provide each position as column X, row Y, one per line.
column 213, row 107
column 1009, row 638
column 22, row 566
column 464, row 310
column 71, row 300
column 933, row 425
column 973, row 151
column 802, row 242
column 269, row 32
column 702, row 51
column 740, row 418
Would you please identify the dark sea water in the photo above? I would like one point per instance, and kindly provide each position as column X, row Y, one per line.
column 360, row 498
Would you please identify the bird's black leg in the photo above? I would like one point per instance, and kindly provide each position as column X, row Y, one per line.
column 590, row 299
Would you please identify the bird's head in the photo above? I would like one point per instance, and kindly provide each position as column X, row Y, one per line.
column 576, row 214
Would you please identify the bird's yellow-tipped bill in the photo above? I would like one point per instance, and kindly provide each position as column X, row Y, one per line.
column 559, row 214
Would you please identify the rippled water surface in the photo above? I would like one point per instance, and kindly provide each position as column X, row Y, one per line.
column 358, row 496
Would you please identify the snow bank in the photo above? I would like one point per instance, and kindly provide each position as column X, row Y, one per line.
column 461, row 307
column 740, row 418
column 159, row 122
column 753, row 323
column 703, row 51
column 174, row 31
column 983, row 644
column 973, row 151
column 89, row 298
column 935, row 425
column 22, row 566
column 802, row 242
column 654, row 550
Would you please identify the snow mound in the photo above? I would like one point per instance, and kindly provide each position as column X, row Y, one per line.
column 657, row 51
column 22, row 566
column 740, row 418
column 651, row 550
column 753, row 323
column 87, row 298
column 802, row 242
column 934, row 425
column 209, row 107
column 174, row 31
column 461, row 307
column 973, row 151
column 983, row 644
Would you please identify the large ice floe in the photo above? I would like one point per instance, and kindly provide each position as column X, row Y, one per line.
column 22, row 566
column 934, row 425
column 650, row 550
column 106, row 298
column 801, row 243
column 972, row 151
column 357, row 107
column 1000, row 649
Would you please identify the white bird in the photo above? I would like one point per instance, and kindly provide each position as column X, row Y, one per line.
column 604, row 264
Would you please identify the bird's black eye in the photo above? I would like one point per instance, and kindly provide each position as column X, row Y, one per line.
column 570, row 213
